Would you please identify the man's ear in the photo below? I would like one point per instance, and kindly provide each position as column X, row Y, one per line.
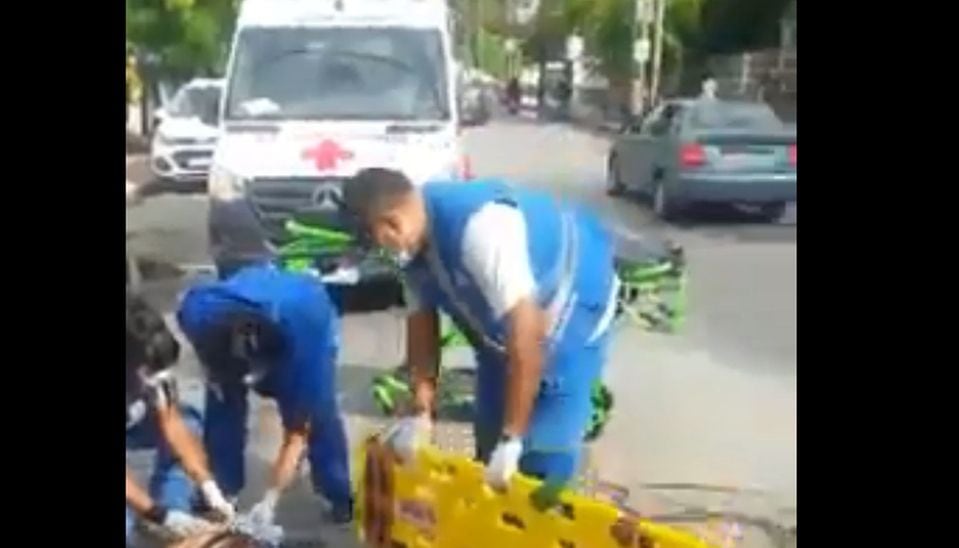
column 392, row 225
column 391, row 219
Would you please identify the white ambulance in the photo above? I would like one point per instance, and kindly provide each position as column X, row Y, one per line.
column 315, row 91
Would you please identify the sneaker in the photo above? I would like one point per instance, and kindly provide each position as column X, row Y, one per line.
column 342, row 514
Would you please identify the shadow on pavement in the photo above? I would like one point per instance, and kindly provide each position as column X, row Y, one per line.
column 136, row 144
column 156, row 187
column 739, row 225
column 719, row 222
column 355, row 388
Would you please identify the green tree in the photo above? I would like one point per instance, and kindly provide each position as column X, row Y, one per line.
column 609, row 30
column 734, row 26
column 177, row 39
column 684, row 54
column 186, row 37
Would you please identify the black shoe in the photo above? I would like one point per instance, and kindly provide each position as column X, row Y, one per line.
column 342, row 514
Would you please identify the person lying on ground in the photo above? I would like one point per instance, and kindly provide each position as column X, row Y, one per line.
column 157, row 420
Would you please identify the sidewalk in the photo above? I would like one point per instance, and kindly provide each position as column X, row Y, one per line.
column 136, row 144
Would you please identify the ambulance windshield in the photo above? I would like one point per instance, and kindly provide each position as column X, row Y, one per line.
column 335, row 73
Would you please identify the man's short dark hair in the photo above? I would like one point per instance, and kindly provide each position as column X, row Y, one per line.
column 149, row 341
column 372, row 191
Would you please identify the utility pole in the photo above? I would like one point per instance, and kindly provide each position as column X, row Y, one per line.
column 637, row 29
column 641, row 40
column 512, row 48
column 658, row 58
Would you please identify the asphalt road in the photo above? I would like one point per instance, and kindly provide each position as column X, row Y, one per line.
column 697, row 413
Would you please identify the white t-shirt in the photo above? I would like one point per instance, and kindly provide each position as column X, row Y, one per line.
column 495, row 254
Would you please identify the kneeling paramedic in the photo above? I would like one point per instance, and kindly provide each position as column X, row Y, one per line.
column 275, row 332
column 155, row 420
column 529, row 281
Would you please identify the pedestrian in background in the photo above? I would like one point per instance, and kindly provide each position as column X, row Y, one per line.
column 709, row 87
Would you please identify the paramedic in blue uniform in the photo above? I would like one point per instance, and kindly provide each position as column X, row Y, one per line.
column 156, row 420
column 529, row 280
column 277, row 333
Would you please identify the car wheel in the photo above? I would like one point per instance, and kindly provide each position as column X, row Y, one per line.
column 665, row 207
column 614, row 185
column 773, row 212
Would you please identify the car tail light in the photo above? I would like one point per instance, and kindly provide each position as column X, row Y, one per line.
column 792, row 155
column 692, row 155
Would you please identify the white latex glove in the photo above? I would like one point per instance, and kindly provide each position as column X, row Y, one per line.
column 263, row 513
column 217, row 502
column 183, row 525
column 269, row 535
column 409, row 433
column 504, row 462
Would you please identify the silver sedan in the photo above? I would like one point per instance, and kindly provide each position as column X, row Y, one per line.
column 706, row 150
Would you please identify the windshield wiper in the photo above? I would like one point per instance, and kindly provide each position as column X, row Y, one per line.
column 409, row 127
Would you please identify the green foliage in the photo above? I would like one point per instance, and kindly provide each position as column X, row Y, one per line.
column 492, row 55
column 682, row 43
column 605, row 25
column 733, row 26
column 682, row 21
column 187, row 36
column 609, row 30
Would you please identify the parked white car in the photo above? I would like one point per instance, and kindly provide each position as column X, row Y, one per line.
column 186, row 133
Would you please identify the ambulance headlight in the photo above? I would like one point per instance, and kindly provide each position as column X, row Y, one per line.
column 225, row 185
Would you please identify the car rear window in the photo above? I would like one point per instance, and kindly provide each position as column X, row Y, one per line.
column 719, row 115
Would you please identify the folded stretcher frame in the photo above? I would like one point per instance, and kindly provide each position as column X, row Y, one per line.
column 441, row 500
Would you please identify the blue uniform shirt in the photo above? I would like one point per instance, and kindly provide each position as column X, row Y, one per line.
column 570, row 259
column 303, row 381
column 569, row 252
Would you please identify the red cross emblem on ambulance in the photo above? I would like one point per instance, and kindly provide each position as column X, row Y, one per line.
column 326, row 155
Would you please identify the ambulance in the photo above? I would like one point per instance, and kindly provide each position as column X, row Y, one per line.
column 317, row 90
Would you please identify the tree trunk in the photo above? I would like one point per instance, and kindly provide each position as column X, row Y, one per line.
column 146, row 90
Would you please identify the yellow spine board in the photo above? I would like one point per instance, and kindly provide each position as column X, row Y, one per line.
column 442, row 501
